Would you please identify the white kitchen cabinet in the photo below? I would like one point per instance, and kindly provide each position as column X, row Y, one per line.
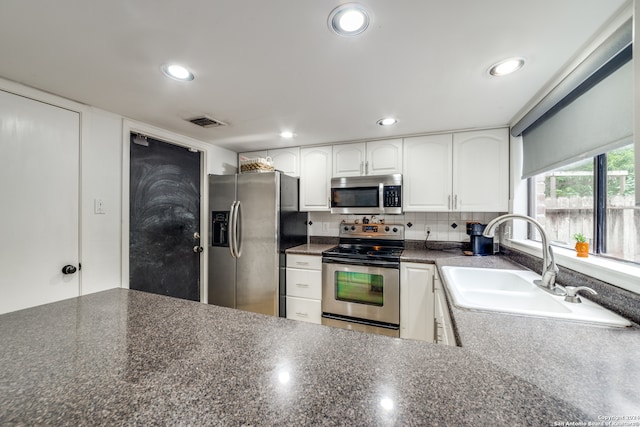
column 417, row 301
column 304, row 288
column 286, row 160
column 349, row 159
column 481, row 171
column 466, row 171
column 367, row 158
column 428, row 165
column 315, row 178
column 443, row 331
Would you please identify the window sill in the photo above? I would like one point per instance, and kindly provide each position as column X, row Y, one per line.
column 620, row 274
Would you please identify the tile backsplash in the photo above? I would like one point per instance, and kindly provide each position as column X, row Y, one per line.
column 444, row 226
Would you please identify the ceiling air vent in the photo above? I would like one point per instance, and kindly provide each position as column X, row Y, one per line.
column 206, row 122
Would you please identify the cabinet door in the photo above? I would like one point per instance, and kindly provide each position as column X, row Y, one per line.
column 304, row 309
column 384, row 157
column 481, row 171
column 315, row 178
column 286, row 160
column 349, row 159
column 427, row 167
column 416, row 301
column 443, row 327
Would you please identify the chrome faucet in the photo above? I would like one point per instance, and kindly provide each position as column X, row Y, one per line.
column 549, row 268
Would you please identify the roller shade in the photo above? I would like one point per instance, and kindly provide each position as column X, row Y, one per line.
column 588, row 113
column 599, row 120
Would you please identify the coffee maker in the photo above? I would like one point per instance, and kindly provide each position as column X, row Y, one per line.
column 480, row 245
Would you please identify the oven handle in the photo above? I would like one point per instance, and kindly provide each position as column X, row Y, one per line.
column 381, row 264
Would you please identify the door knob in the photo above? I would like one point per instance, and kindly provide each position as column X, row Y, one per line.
column 198, row 249
column 69, row 269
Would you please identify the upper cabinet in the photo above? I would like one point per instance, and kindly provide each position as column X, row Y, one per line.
column 481, row 171
column 349, row 159
column 367, row 158
column 286, row 160
column 315, row 178
column 428, row 162
column 466, row 171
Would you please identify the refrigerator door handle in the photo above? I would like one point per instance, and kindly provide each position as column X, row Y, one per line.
column 238, row 224
column 231, row 232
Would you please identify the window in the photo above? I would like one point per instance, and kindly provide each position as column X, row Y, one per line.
column 594, row 197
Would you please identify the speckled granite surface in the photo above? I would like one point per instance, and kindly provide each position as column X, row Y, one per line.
column 310, row 248
column 591, row 367
column 124, row 357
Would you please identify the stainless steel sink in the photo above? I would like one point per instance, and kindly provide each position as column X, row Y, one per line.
column 513, row 291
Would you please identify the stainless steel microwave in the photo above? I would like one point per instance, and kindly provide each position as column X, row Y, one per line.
column 380, row 194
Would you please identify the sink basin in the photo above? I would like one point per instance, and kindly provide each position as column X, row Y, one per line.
column 513, row 291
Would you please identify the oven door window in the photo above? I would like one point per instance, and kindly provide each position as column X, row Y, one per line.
column 360, row 197
column 363, row 288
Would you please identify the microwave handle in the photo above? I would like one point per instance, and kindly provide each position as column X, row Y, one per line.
column 381, row 197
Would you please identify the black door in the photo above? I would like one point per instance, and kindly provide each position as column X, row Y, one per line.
column 164, row 218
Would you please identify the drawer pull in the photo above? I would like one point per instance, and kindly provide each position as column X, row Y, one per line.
column 302, row 314
column 302, row 263
column 302, row 285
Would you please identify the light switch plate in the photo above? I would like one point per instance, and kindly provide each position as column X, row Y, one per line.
column 98, row 207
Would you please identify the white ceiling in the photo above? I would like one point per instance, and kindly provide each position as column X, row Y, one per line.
column 272, row 65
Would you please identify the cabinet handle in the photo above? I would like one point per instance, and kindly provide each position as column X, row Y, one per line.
column 361, row 168
column 455, row 202
column 302, row 314
column 366, row 168
column 449, row 202
column 302, row 263
column 302, row 285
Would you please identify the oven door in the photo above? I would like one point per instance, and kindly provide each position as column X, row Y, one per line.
column 367, row 292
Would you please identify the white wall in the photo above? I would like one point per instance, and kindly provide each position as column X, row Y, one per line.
column 101, row 177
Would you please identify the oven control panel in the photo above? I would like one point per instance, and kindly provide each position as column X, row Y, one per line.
column 376, row 231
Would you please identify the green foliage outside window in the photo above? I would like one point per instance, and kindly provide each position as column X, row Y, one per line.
column 582, row 185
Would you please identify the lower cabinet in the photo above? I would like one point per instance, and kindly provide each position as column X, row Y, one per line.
column 417, row 301
column 304, row 288
column 443, row 327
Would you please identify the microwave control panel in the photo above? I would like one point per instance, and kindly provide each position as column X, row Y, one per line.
column 392, row 196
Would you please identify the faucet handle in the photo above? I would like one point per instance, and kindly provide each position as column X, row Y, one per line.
column 572, row 293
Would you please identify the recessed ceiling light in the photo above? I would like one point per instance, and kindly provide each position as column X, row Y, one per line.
column 506, row 66
column 349, row 19
column 387, row 121
column 286, row 134
column 177, row 72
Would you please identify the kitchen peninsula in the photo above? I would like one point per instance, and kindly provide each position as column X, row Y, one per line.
column 124, row 357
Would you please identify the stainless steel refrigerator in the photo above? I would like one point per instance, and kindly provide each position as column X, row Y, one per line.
column 254, row 218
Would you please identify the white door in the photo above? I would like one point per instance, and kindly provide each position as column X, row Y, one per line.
column 349, row 159
column 427, row 173
column 39, row 189
column 315, row 178
column 384, row 157
column 416, row 301
column 286, row 160
column 481, row 171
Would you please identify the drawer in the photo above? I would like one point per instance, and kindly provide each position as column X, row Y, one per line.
column 311, row 262
column 305, row 310
column 304, row 283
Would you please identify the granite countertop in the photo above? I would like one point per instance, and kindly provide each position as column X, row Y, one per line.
column 589, row 367
column 593, row 368
column 310, row 248
column 128, row 357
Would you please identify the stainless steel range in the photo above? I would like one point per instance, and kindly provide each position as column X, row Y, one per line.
column 361, row 279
